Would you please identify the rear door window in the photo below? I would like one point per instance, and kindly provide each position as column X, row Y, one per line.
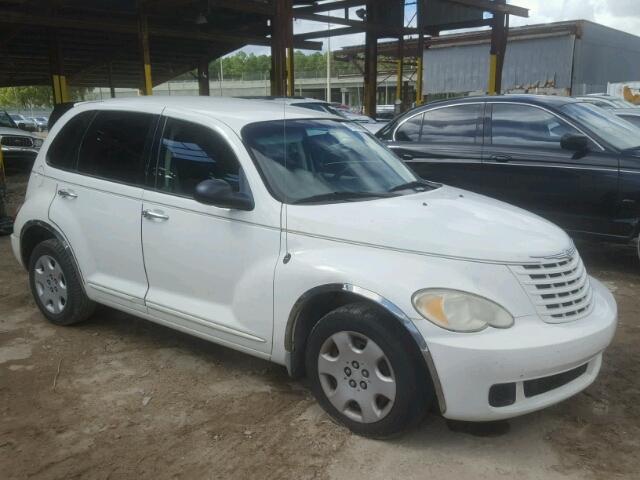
column 114, row 147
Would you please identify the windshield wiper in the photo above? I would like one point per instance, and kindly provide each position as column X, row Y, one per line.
column 416, row 184
column 342, row 196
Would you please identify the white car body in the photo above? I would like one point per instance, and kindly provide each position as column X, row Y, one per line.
column 239, row 278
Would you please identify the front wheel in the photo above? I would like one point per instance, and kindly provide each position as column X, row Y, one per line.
column 364, row 374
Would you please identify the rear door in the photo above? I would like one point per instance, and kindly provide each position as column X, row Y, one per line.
column 444, row 144
column 526, row 166
column 99, row 202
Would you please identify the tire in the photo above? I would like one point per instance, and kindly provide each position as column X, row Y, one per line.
column 378, row 386
column 56, row 286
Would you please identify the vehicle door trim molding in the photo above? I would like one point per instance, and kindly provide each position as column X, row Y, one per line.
column 570, row 167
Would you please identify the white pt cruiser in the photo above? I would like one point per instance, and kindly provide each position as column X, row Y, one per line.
column 296, row 237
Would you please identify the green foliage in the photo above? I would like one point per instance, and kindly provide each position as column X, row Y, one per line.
column 26, row 98
column 243, row 66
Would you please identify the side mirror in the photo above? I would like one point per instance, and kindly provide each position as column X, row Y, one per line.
column 574, row 143
column 220, row 194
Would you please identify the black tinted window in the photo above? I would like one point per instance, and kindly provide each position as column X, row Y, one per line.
column 63, row 152
column 191, row 153
column 451, row 124
column 409, row 131
column 114, row 146
column 523, row 125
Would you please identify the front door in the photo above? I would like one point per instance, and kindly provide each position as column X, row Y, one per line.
column 444, row 144
column 210, row 269
column 526, row 166
column 99, row 200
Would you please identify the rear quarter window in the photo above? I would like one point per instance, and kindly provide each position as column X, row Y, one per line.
column 63, row 152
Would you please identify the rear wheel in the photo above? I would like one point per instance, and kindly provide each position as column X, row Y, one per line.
column 55, row 285
column 363, row 372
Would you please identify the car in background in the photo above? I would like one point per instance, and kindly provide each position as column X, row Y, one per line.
column 19, row 148
column 569, row 161
column 606, row 101
column 23, row 122
column 42, row 123
column 385, row 113
column 325, row 107
column 630, row 115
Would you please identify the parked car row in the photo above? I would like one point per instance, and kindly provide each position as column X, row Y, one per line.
column 569, row 161
column 30, row 124
column 19, row 148
column 295, row 236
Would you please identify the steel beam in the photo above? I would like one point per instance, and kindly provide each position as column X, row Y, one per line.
column 494, row 7
column 499, row 32
column 328, row 7
column 102, row 25
column 362, row 25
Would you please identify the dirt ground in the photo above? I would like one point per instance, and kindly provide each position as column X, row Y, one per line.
column 118, row 397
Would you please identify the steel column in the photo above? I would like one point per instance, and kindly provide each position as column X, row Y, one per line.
column 499, row 31
column 281, row 40
column 143, row 35
column 399, row 103
column 56, row 65
column 203, row 77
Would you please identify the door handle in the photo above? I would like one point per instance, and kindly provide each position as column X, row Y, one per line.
column 154, row 215
column 64, row 193
column 501, row 158
column 406, row 156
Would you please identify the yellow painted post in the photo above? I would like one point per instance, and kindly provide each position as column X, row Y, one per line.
column 143, row 34
column 493, row 71
column 58, row 79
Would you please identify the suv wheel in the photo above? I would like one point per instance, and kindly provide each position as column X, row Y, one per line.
column 363, row 373
column 55, row 285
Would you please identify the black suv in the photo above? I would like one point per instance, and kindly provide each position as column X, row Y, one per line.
column 571, row 162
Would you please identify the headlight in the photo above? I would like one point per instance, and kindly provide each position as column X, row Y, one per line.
column 460, row 311
column 37, row 142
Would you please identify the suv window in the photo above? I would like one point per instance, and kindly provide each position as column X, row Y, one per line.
column 527, row 126
column 114, row 146
column 457, row 124
column 63, row 152
column 191, row 153
column 410, row 130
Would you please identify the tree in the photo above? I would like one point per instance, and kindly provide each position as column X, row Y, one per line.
column 27, row 98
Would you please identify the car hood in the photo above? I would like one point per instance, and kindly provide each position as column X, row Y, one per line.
column 446, row 222
column 14, row 131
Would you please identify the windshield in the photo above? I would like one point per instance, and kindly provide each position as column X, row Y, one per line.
column 310, row 161
column 608, row 126
column 320, row 107
column 6, row 121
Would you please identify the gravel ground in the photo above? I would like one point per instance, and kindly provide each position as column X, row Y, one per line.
column 119, row 397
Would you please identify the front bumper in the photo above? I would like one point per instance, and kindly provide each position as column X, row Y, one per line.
column 468, row 365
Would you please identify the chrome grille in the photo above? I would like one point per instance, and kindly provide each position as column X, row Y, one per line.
column 16, row 141
column 558, row 287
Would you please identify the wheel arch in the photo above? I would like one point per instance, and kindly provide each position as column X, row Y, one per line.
column 318, row 301
column 36, row 231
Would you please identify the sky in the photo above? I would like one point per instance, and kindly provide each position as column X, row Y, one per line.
column 620, row 14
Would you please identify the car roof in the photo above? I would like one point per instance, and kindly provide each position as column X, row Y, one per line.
column 235, row 112
column 542, row 100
